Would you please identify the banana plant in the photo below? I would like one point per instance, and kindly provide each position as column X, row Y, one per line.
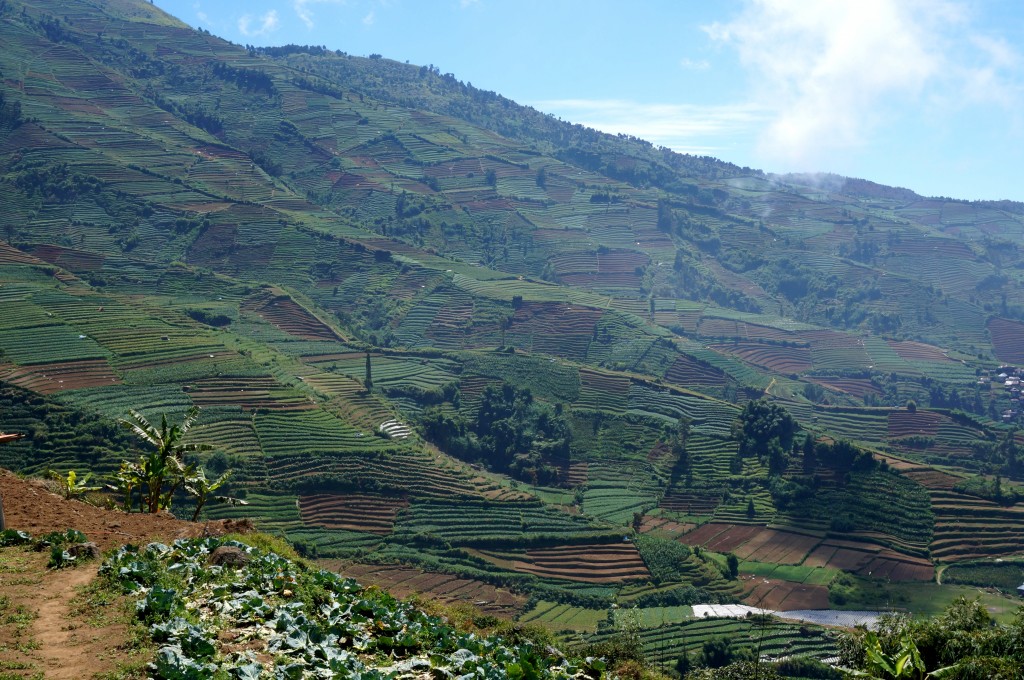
column 199, row 486
column 71, row 486
column 162, row 471
column 903, row 664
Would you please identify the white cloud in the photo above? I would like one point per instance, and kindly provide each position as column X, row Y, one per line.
column 694, row 64
column 833, row 72
column 467, row 3
column 267, row 23
column 305, row 13
column 683, row 127
column 369, row 19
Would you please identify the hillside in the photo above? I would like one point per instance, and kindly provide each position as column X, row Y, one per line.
column 466, row 348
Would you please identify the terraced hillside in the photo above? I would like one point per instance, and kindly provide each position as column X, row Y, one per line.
column 431, row 330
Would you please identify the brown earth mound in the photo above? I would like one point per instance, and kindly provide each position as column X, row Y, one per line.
column 31, row 507
column 44, row 630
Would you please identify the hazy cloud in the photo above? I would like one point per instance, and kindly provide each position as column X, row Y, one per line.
column 369, row 19
column 305, row 13
column 694, row 64
column 683, row 127
column 832, row 72
column 267, row 23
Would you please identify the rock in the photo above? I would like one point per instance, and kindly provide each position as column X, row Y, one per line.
column 85, row 550
column 229, row 556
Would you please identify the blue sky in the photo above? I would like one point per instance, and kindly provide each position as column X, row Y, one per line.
column 924, row 94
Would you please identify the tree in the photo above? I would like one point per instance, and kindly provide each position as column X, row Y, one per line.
column 161, row 472
column 962, row 643
column 368, row 379
column 733, row 564
column 810, row 455
column 911, row 406
column 765, row 429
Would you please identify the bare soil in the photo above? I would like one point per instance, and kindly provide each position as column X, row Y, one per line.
column 48, row 627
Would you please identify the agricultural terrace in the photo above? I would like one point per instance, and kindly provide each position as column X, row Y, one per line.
column 1007, row 339
column 485, row 524
column 775, row 639
column 353, row 512
column 754, row 543
column 403, row 582
column 970, row 528
column 588, row 563
column 391, row 470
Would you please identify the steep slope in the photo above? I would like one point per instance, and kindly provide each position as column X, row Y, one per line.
column 472, row 338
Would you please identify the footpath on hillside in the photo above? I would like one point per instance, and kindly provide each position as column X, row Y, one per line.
column 46, row 626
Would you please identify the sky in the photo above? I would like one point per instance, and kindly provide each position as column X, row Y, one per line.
column 922, row 94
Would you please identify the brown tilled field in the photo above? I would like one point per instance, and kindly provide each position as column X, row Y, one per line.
column 57, row 377
column 593, row 563
column 355, row 512
column 405, row 581
column 785, row 595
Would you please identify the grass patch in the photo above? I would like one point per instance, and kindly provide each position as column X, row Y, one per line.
column 920, row 599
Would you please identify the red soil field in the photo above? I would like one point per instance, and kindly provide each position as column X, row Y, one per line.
column 906, row 424
column 578, row 473
column 355, row 512
column 247, row 393
column 9, row 255
column 555, row 317
column 778, row 359
column 666, row 527
column 30, row 506
column 932, row 479
column 871, row 560
column 785, row 595
column 289, row 316
column 722, row 537
column 57, row 377
column 72, row 260
column 778, row 547
column 917, row 351
column 1007, row 339
column 404, row 581
column 594, row 563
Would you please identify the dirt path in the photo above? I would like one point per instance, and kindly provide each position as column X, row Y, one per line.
column 61, row 639
column 47, row 628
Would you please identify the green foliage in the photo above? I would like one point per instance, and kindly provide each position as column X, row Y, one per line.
column 306, row 618
column 1006, row 575
column 667, row 560
column 200, row 487
column 962, row 643
column 160, row 473
column 766, row 430
column 14, row 537
column 72, row 487
column 511, row 433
